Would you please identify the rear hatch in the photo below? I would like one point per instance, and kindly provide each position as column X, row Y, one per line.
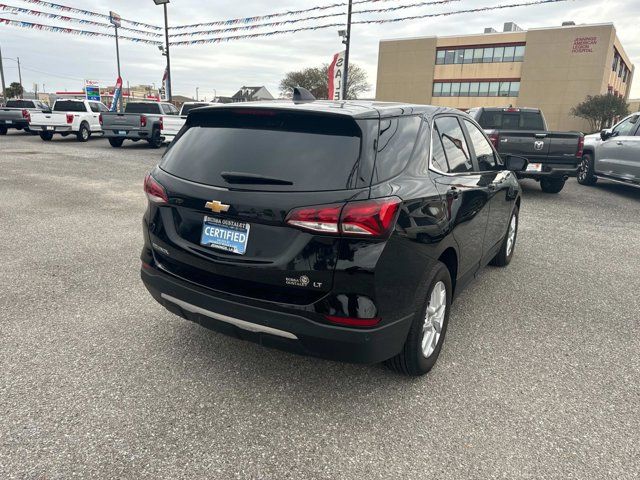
column 232, row 178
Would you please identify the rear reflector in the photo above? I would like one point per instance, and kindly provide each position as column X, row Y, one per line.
column 353, row 322
column 155, row 192
column 369, row 218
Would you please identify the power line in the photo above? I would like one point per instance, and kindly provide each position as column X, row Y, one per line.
column 307, row 19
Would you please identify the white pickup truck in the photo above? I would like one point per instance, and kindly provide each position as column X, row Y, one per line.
column 172, row 125
column 78, row 117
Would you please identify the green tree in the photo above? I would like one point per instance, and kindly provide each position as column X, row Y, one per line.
column 14, row 90
column 600, row 110
column 316, row 80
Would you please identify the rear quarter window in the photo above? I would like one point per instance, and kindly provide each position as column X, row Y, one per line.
column 311, row 152
column 395, row 144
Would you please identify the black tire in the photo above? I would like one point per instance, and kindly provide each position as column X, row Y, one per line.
column 84, row 134
column 552, row 185
column 46, row 136
column 3, row 130
column 411, row 360
column 586, row 171
column 504, row 256
column 156, row 139
column 116, row 142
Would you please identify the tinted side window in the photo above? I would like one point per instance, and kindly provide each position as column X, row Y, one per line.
column 438, row 159
column 395, row 145
column 625, row 127
column 484, row 153
column 94, row 107
column 455, row 145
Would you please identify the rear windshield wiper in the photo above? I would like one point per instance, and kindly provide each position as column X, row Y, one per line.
column 252, row 178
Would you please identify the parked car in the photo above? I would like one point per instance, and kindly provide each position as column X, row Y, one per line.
column 16, row 114
column 140, row 121
column 171, row 125
column 343, row 233
column 553, row 156
column 613, row 154
column 79, row 117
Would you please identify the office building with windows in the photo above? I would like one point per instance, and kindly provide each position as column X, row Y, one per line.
column 553, row 69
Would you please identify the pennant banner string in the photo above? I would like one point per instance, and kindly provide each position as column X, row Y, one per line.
column 38, row 13
column 306, row 19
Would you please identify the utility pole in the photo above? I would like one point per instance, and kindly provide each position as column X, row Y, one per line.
column 116, row 22
column 197, row 94
column 4, row 88
column 166, row 33
column 20, row 78
column 346, row 53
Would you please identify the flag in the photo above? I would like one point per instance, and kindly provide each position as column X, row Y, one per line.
column 336, row 77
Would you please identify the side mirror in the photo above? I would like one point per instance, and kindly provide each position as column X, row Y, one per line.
column 605, row 134
column 515, row 163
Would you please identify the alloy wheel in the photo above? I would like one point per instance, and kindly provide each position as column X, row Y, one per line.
column 511, row 236
column 434, row 319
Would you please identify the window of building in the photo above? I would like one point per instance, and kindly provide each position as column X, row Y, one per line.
column 514, row 90
column 494, row 88
column 446, row 89
column 455, row 89
column 476, row 89
column 437, row 89
column 495, row 53
column 464, row 89
column 455, row 145
column 509, row 52
column 468, row 55
column 518, row 56
column 484, row 89
column 504, row 89
column 498, row 53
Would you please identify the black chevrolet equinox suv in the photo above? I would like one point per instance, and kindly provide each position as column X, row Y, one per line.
column 336, row 229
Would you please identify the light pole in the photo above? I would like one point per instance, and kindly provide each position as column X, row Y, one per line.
column 4, row 88
column 116, row 22
column 166, row 34
column 197, row 94
column 346, row 53
column 17, row 60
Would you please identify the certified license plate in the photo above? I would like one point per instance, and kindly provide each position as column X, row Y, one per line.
column 121, row 132
column 534, row 167
column 50, row 128
column 9, row 122
column 223, row 234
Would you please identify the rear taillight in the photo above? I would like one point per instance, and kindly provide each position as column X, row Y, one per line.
column 353, row 322
column 143, row 121
column 69, row 118
column 580, row 151
column 26, row 115
column 495, row 139
column 100, row 119
column 155, row 192
column 161, row 123
column 367, row 218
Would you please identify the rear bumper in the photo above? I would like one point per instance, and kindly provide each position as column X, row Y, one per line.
column 51, row 128
column 290, row 331
column 130, row 135
column 551, row 170
column 14, row 123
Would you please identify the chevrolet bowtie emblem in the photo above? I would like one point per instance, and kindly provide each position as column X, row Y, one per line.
column 217, row 207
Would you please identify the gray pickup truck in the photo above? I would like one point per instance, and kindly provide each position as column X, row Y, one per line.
column 17, row 114
column 553, row 156
column 140, row 121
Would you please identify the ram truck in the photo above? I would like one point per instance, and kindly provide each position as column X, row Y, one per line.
column 173, row 124
column 140, row 121
column 69, row 117
column 17, row 113
column 553, row 156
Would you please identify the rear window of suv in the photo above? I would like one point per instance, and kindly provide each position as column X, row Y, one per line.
column 305, row 152
column 69, row 106
column 491, row 119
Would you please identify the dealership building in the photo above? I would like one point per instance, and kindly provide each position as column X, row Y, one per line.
column 553, row 69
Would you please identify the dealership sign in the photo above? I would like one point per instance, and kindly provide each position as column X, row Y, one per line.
column 115, row 19
column 584, row 44
column 336, row 77
column 92, row 90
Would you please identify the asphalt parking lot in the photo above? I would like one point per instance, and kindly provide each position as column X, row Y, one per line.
column 539, row 376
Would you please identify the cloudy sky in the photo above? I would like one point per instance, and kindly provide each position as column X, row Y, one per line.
column 62, row 61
